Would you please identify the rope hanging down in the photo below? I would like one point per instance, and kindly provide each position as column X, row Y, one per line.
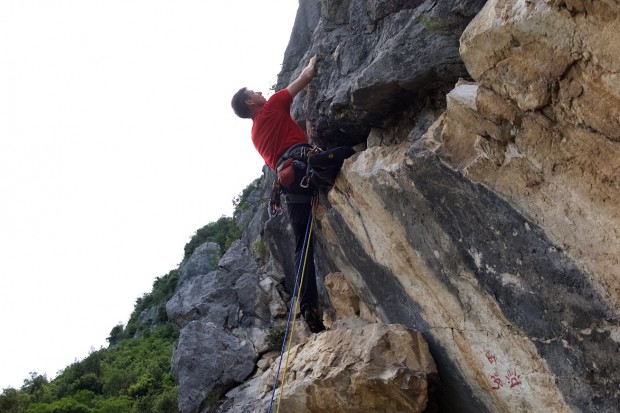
column 296, row 293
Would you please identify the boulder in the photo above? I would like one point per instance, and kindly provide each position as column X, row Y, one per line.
column 228, row 296
column 355, row 367
column 203, row 260
column 208, row 360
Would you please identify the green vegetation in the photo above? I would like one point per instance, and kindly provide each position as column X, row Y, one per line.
column 225, row 230
column 211, row 400
column 434, row 24
column 163, row 289
column 132, row 375
column 275, row 337
column 242, row 201
column 260, row 251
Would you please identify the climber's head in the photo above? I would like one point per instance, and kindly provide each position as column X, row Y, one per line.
column 246, row 103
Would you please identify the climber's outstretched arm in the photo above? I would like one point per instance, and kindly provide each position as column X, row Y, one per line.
column 304, row 78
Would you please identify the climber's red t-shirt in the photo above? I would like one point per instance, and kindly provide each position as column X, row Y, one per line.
column 273, row 129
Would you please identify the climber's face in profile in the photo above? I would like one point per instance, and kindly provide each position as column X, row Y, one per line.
column 254, row 98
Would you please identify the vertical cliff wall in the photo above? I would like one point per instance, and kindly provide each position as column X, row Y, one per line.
column 482, row 209
column 496, row 232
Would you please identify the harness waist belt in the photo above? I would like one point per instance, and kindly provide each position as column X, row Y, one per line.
column 290, row 152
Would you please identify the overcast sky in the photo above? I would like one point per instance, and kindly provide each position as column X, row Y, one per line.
column 117, row 142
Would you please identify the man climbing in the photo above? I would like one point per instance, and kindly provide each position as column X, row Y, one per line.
column 284, row 147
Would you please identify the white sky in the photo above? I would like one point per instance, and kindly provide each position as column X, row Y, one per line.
column 117, row 142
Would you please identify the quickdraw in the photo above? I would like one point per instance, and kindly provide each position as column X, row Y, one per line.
column 305, row 181
column 275, row 204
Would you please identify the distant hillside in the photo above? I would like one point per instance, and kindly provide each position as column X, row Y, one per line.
column 132, row 375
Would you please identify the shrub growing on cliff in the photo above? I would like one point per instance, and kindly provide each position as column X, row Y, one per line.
column 242, row 202
column 163, row 289
column 275, row 338
column 64, row 405
column 131, row 376
column 223, row 232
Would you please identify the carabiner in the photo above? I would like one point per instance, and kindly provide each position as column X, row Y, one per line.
column 305, row 182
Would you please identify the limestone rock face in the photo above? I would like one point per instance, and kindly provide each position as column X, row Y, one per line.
column 497, row 233
column 207, row 359
column 220, row 296
column 436, row 261
column 483, row 213
column 361, row 368
column 354, row 367
column 223, row 316
column 203, row 260
column 374, row 58
column 560, row 163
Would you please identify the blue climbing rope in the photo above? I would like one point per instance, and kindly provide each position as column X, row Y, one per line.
column 298, row 280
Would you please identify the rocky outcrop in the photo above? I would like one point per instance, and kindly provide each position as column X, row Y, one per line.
column 497, row 231
column 357, row 366
column 207, row 360
column 354, row 367
column 223, row 316
column 559, row 163
column 481, row 212
column 203, row 260
column 375, row 58
column 360, row 367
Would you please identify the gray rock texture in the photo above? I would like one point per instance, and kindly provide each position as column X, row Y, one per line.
column 208, row 359
column 375, row 59
column 481, row 212
column 218, row 314
column 496, row 232
column 355, row 367
column 215, row 296
column 202, row 261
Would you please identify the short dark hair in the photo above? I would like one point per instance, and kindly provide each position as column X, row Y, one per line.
column 238, row 103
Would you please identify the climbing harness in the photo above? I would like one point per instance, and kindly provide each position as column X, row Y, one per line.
column 299, row 279
column 294, row 159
